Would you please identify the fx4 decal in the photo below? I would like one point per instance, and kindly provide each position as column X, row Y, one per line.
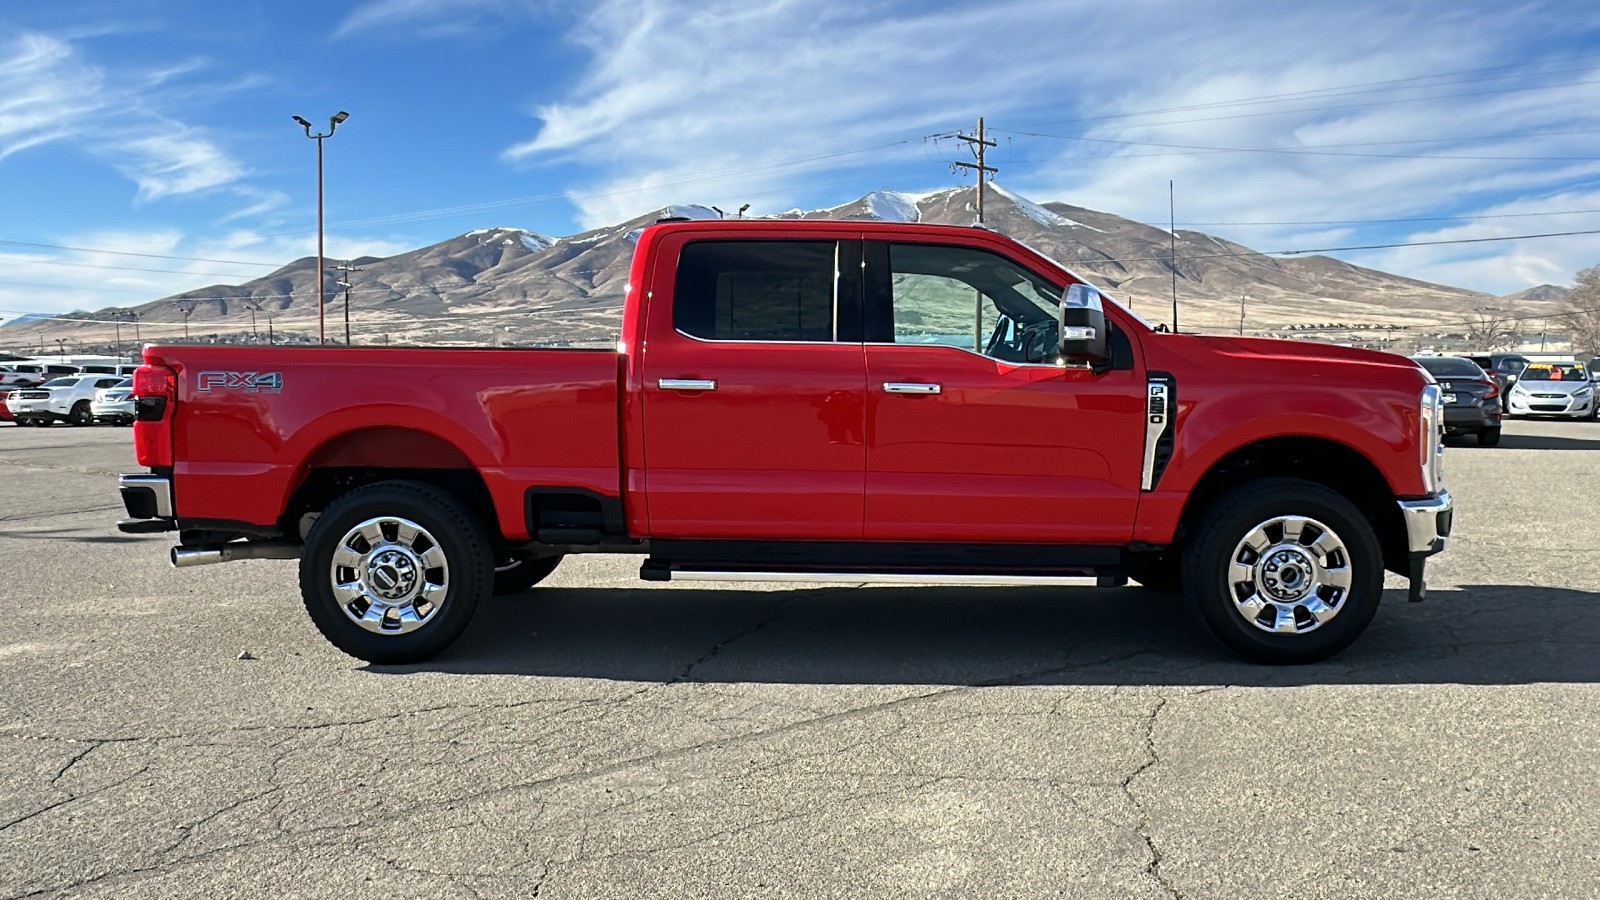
column 254, row 382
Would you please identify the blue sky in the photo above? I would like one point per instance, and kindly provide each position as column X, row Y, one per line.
column 163, row 127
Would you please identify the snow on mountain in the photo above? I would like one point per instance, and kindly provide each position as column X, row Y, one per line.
column 893, row 206
column 1038, row 213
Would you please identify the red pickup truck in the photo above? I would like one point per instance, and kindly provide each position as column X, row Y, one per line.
column 810, row 401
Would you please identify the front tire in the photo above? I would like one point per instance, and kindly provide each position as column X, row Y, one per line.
column 1284, row 571
column 80, row 414
column 393, row 571
column 1489, row 437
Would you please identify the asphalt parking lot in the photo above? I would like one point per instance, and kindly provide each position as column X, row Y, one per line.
column 600, row 738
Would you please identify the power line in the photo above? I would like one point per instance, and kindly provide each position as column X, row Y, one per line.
column 234, row 262
column 1298, row 151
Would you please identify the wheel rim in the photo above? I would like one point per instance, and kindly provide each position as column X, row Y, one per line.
column 389, row 575
column 1289, row 575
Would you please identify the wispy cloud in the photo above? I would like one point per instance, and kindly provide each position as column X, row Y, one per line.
column 676, row 90
column 50, row 93
column 434, row 18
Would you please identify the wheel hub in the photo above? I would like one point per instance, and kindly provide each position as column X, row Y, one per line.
column 392, row 574
column 1287, row 574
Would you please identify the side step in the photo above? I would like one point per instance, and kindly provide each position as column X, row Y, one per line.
column 658, row 570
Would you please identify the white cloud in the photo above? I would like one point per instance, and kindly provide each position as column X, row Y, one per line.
column 432, row 18
column 704, row 100
column 50, row 93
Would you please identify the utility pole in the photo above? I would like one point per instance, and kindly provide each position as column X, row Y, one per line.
column 187, row 312
column 1172, row 234
column 116, row 322
column 1241, row 315
column 270, row 340
column 344, row 282
column 979, row 144
column 137, row 339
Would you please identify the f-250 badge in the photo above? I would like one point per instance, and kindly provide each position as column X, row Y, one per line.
column 254, row 382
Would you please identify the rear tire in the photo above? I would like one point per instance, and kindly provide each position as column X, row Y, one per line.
column 1284, row 571
column 1489, row 437
column 393, row 571
column 515, row 574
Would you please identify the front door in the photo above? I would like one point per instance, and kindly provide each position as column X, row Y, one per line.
column 753, row 391
column 974, row 432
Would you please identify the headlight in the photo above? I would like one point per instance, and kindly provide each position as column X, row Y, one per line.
column 1517, row 388
column 1431, row 436
column 1583, row 392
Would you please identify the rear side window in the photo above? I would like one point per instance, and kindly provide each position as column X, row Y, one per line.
column 1451, row 366
column 756, row 291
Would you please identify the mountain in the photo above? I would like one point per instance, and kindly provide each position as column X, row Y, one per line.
column 1544, row 293
column 509, row 286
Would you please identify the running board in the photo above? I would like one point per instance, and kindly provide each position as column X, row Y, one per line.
column 666, row 573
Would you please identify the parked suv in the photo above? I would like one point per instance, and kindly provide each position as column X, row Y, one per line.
column 21, row 375
column 1471, row 397
column 59, row 399
column 1506, row 369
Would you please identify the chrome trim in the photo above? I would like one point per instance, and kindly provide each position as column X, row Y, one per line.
column 156, row 483
column 912, row 387
column 1290, row 575
column 884, row 578
column 1157, row 414
column 1431, row 432
column 687, row 384
column 1422, row 522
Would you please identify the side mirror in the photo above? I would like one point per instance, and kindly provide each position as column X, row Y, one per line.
column 1083, row 325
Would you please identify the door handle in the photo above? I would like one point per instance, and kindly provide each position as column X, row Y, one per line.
column 911, row 387
column 687, row 384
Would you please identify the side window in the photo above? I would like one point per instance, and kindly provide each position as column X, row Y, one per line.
column 756, row 291
column 108, row 382
column 972, row 299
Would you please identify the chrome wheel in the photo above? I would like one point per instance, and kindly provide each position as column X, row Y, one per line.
column 389, row 575
column 1289, row 575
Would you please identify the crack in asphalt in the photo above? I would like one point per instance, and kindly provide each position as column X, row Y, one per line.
column 1153, row 868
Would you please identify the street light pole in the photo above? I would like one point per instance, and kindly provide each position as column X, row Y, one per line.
column 333, row 125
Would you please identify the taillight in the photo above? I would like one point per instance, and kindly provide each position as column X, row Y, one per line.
column 1494, row 390
column 155, row 388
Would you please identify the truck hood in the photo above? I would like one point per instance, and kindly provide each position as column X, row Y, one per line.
column 1263, row 362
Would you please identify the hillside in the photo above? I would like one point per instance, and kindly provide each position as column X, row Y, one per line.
column 508, row 286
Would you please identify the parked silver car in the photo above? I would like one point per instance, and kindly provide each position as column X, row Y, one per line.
column 114, row 404
column 1553, row 389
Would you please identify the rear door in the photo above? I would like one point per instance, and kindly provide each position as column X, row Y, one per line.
column 974, row 432
column 753, row 389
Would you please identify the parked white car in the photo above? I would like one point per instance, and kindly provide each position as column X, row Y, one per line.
column 59, row 399
column 114, row 405
column 1553, row 389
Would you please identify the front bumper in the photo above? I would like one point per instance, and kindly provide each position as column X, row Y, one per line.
column 1526, row 404
column 1428, row 523
column 148, row 500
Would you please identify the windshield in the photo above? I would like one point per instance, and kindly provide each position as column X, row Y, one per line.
column 1449, row 366
column 1555, row 372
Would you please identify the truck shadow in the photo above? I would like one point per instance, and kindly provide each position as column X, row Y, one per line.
column 1478, row 634
column 1540, row 442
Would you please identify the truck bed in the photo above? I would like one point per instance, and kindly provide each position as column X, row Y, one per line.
column 521, row 418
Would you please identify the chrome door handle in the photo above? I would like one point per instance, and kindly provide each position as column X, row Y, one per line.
column 911, row 387
column 687, row 384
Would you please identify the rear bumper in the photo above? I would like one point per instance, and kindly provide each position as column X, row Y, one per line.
column 148, row 500
column 1471, row 418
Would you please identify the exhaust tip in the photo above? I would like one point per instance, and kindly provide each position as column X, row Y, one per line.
column 185, row 557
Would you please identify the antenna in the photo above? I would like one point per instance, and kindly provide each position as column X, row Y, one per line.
column 1172, row 232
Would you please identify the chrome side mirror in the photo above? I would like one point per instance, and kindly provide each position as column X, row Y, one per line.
column 1083, row 325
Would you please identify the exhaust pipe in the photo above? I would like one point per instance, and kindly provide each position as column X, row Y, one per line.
column 205, row 555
